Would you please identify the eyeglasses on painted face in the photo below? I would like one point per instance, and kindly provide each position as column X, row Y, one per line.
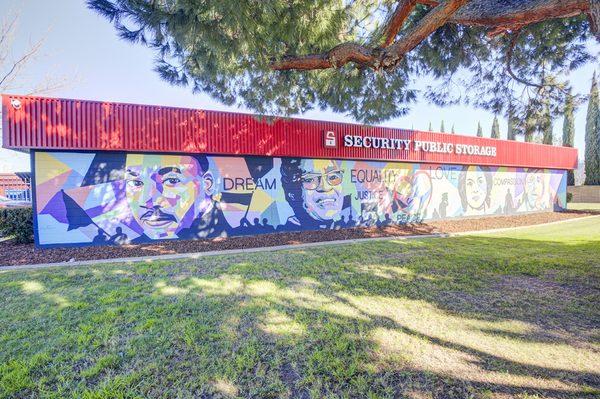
column 311, row 181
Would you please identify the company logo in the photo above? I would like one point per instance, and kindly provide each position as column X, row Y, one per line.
column 16, row 104
column 329, row 139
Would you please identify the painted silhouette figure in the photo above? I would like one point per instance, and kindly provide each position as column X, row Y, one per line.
column 100, row 238
column 443, row 205
column 267, row 228
column 119, row 238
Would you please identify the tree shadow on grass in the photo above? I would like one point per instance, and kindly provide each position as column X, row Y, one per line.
column 459, row 318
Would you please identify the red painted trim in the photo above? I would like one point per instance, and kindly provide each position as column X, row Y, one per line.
column 64, row 124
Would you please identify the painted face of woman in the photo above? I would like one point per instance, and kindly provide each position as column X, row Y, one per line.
column 322, row 189
column 476, row 188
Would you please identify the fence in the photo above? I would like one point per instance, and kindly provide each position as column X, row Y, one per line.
column 585, row 194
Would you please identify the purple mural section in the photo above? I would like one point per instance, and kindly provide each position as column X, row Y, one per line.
column 109, row 198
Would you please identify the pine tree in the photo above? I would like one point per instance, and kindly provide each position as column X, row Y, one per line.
column 546, row 126
column 529, row 125
column 479, row 130
column 592, row 137
column 453, row 132
column 568, row 135
column 495, row 129
column 430, row 128
column 511, row 132
column 442, row 128
column 287, row 57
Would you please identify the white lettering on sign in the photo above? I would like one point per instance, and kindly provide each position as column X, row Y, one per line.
column 376, row 142
column 418, row 146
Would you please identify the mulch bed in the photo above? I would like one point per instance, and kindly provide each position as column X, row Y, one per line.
column 20, row 254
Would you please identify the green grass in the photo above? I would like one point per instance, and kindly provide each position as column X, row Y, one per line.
column 583, row 206
column 499, row 315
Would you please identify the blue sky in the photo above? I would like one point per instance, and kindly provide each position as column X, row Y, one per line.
column 83, row 48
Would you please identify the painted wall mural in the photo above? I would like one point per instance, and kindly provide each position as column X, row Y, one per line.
column 115, row 198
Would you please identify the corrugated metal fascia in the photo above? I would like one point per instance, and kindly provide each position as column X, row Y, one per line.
column 219, row 133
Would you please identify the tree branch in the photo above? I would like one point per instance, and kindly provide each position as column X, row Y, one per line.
column 493, row 13
column 501, row 15
column 397, row 20
column 594, row 16
column 21, row 61
column 509, row 55
column 373, row 57
column 336, row 57
column 426, row 26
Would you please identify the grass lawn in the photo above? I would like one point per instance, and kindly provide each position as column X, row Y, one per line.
column 583, row 206
column 490, row 316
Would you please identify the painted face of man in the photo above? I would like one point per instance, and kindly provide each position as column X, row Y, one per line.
column 166, row 192
column 534, row 186
column 322, row 189
column 476, row 188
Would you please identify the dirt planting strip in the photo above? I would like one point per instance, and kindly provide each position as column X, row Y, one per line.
column 22, row 254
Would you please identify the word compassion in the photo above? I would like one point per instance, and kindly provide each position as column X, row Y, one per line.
column 418, row 146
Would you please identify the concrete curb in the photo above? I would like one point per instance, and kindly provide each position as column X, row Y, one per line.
column 197, row 255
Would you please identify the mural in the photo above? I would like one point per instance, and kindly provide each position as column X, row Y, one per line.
column 115, row 198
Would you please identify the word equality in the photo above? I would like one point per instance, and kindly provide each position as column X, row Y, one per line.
column 418, row 145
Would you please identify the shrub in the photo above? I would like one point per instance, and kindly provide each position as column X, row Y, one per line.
column 17, row 222
column 569, row 197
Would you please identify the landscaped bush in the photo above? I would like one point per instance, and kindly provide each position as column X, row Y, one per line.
column 17, row 222
column 569, row 197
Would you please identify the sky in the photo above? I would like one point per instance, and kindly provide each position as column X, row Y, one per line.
column 83, row 49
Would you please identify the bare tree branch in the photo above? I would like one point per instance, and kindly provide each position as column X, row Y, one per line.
column 21, row 61
column 10, row 71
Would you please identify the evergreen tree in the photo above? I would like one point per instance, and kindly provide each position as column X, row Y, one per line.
column 568, row 135
column 511, row 132
column 442, row 128
column 530, row 125
column 592, row 137
column 360, row 58
column 479, row 130
column 453, row 132
column 546, row 126
column 495, row 129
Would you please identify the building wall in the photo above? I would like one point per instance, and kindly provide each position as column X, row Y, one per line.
column 13, row 187
column 114, row 197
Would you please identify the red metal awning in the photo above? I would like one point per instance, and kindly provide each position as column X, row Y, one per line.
column 64, row 124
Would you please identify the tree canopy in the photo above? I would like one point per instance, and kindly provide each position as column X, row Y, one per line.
column 568, row 132
column 363, row 57
column 495, row 128
column 592, row 137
